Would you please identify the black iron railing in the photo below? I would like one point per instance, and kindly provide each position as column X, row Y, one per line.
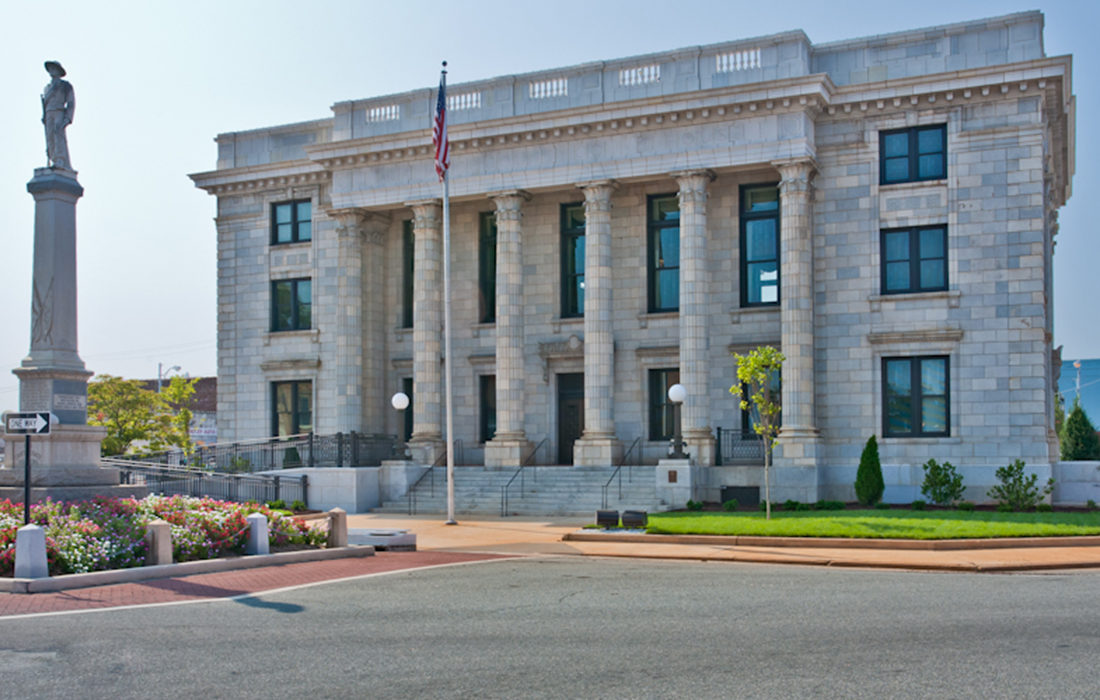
column 528, row 462
column 619, row 472
column 171, row 481
column 734, row 446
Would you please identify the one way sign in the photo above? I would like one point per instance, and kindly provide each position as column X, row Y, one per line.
column 34, row 423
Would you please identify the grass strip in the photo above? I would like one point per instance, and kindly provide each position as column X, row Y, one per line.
column 874, row 524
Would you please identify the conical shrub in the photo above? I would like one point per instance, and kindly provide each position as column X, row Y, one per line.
column 869, row 486
column 1079, row 440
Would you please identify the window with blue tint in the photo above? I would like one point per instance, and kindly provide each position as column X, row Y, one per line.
column 291, row 408
column 487, row 268
column 662, row 412
column 759, row 245
column 292, row 305
column 572, row 260
column 914, row 154
column 291, row 222
column 916, row 396
column 914, row 259
column 664, row 253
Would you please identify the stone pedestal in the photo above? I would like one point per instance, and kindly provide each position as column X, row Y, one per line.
column 506, row 452
column 597, row 452
column 699, row 443
column 676, row 482
column 426, row 450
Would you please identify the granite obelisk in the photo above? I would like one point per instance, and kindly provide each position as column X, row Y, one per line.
column 52, row 377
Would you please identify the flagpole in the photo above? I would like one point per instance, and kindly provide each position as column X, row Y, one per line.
column 447, row 364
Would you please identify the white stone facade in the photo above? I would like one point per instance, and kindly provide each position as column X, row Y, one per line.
column 697, row 124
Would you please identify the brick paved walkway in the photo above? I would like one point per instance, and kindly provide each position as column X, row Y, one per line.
column 225, row 584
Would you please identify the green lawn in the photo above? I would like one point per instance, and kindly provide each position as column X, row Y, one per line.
column 877, row 524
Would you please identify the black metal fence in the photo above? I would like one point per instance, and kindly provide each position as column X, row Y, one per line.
column 737, row 447
column 227, row 487
column 307, row 450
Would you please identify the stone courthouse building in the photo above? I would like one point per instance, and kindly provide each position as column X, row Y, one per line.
column 882, row 209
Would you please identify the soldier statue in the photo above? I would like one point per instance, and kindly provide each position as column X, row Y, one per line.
column 58, row 103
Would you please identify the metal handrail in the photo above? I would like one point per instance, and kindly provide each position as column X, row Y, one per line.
column 618, row 472
column 519, row 472
column 151, row 472
column 440, row 461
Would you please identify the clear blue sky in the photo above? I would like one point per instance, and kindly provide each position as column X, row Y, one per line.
column 155, row 82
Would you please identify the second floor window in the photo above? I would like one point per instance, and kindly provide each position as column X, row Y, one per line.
column 487, row 268
column 572, row 260
column 291, row 305
column 291, row 222
column 408, row 252
column 663, row 268
column 912, row 155
column 914, row 260
column 759, row 245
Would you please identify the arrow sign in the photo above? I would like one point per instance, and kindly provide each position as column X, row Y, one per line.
column 35, row 423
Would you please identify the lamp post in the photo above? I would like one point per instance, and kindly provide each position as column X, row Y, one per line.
column 676, row 394
column 400, row 401
column 1077, row 366
column 162, row 374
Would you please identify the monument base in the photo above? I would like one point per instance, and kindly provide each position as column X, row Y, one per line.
column 73, row 493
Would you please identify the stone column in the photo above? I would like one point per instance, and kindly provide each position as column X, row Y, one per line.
column 598, row 445
column 510, row 446
column 694, row 294
column 426, row 442
column 799, row 440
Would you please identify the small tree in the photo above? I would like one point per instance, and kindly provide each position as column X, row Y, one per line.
column 177, row 397
column 942, row 484
column 869, row 485
column 756, row 374
column 1078, row 436
column 1016, row 491
column 128, row 411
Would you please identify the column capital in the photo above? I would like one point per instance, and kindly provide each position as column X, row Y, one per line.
column 597, row 194
column 795, row 174
column 427, row 214
column 368, row 225
column 509, row 204
column 693, row 186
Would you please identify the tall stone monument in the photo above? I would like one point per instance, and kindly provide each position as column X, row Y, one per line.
column 64, row 464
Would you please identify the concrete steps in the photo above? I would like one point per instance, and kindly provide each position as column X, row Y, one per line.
column 557, row 490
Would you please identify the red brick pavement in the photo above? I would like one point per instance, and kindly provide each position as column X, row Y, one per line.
column 225, row 584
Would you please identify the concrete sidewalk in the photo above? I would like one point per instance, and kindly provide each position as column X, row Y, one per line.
column 563, row 536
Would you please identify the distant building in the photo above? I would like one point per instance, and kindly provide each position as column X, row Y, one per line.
column 882, row 209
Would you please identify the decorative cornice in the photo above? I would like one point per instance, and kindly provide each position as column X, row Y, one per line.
column 571, row 348
column 246, row 180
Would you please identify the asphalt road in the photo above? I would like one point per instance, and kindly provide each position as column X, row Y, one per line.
column 580, row 627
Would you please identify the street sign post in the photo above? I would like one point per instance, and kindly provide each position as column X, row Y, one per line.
column 27, row 424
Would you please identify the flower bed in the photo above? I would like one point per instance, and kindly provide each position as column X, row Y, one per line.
column 109, row 533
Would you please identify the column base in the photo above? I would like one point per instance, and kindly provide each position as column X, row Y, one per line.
column 506, row 452
column 426, row 450
column 597, row 452
column 68, row 456
column 700, row 445
column 794, row 465
column 62, row 391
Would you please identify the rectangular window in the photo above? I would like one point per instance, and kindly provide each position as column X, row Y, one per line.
column 915, row 396
column 488, row 392
column 914, row 259
column 663, row 278
column 572, row 260
column 662, row 415
column 912, row 155
column 759, row 245
column 292, row 408
column 487, row 268
column 291, row 222
column 407, row 425
column 291, row 302
column 408, row 252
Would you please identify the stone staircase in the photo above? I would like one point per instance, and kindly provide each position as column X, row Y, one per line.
column 549, row 490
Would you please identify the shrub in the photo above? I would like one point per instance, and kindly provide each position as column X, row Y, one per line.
column 1078, row 437
column 764, row 506
column 1016, row 491
column 965, row 506
column 291, row 458
column 790, row 504
column 1004, row 508
column 694, row 505
column 730, row 505
column 869, row 486
column 829, row 505
column 1044, row 508
column 297, row 505
column 917, row 505
column 882, row 506
column 942, row 484
column 277, row 504
column 1091, row 504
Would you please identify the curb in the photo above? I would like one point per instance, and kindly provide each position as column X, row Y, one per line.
column 835, row 543
column 188, row 568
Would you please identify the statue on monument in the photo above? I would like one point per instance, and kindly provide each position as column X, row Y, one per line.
column 58, row 103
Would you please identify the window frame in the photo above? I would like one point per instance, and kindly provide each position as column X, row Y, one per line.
column 296, row 418
column 487, row 407
column 653, row 231
column 912, row 155
column 408, row 273
column 914, row 260
column 916, row 396
column 295, row 222
column 661, row 408
column 571, row 280
column 295, row 305
column 744, row 217
column 487, row 267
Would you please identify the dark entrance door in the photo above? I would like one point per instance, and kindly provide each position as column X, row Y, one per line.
column 570, row 414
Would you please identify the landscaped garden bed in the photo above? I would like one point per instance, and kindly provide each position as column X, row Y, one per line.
column 109, row 533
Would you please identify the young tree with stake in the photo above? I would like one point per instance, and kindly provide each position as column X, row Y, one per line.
column 756, row 374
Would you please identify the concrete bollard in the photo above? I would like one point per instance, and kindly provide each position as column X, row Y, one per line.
column 257, row 534
column 337, row 528
column 158, row 541
column 30, row 552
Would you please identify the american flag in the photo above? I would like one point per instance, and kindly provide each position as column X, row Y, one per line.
column 439, row 130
